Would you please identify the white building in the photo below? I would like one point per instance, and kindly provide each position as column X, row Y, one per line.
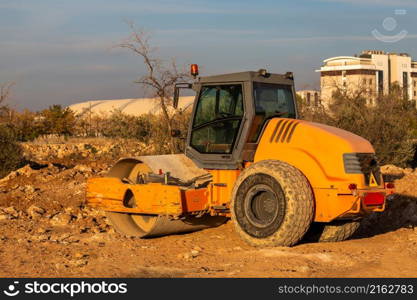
column 372, row 71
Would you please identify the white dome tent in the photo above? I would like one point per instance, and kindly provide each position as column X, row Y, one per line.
column 134, row 107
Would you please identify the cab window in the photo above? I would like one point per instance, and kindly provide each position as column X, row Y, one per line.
column 217, row 119
column 271, row 100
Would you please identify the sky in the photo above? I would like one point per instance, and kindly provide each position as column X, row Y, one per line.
column 65, row 51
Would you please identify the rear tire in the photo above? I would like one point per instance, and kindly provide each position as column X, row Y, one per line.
column 336, row 231
column 272, row 204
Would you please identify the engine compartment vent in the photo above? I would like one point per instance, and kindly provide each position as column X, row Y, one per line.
column 284, row 131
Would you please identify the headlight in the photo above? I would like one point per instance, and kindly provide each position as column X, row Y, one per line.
column 362, row 163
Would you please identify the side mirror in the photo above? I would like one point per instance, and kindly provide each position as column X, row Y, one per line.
column 175, row 133
column 177, row 88
column 176, row 96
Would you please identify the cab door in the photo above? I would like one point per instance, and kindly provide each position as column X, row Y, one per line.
column 216, row 125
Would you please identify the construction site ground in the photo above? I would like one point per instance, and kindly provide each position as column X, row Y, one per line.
column 47, row 231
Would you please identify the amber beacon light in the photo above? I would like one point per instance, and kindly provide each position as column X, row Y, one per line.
column 194, row 70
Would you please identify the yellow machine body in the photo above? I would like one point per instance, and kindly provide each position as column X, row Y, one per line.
column 250, row 158
column 315, row 149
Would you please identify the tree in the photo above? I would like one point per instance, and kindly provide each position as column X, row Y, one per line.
column 26, row 125
column 5, row 90
column 160, row 77
column 58, row 120
column 5, row 112
column 11, row 154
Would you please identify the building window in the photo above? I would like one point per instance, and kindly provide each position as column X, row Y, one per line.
column 405, row 84
column 370, row 81
column 381, row 82
column 364, row 81
column 308, row 98
column 316, row 99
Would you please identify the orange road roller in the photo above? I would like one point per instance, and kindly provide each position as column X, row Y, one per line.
column 250, row 159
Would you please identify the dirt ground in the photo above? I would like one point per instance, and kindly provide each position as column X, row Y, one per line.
column 46, row 231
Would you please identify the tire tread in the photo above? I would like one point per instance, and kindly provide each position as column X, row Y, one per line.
column 299, row 203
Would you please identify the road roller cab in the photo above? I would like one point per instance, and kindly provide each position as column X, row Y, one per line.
column 249, row 158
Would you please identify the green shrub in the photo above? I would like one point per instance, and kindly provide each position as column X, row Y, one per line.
column 11, row 156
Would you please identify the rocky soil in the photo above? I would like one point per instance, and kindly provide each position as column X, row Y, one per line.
column 88, row 149
column 47, row 231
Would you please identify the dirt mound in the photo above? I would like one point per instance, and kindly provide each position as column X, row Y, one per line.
column 392, row 173
column 49, row 196
column 83, row 149
column 401, row 208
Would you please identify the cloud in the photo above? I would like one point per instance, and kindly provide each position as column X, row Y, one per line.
column 58, row 47
column 135, row 7
column 63, row 46
column 181, row 7
column 222, row 31
column 331, row 38
column 396, row 3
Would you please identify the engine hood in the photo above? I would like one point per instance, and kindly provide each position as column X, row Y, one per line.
column 316, row 149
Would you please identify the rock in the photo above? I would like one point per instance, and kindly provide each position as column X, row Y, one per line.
column 83, row 169
column 79, row 259
column 194, row 253
column 4, row 216
column 12, row 212
column 28, row 189
column 69, row 210
column 392, row 170
column 97, row 230
column 26, row 170
column 72, row 239
column 41, row 237
column 42, row 230
column 59, row 237
column 60, row 219
column 80, row 263
column 79, row 255
column 35, row 212
column 85, row 229
column 197, row 248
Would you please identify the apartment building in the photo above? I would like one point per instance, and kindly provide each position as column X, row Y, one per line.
column 310, row 97
column 372, row 72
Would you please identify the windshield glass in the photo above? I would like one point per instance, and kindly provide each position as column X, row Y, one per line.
column 271, row 100
column 217, row 119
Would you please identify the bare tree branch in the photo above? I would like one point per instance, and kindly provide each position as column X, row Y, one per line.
column 160, row 78
column 5, row 90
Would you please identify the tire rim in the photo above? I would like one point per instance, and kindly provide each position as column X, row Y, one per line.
column 261, row 206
